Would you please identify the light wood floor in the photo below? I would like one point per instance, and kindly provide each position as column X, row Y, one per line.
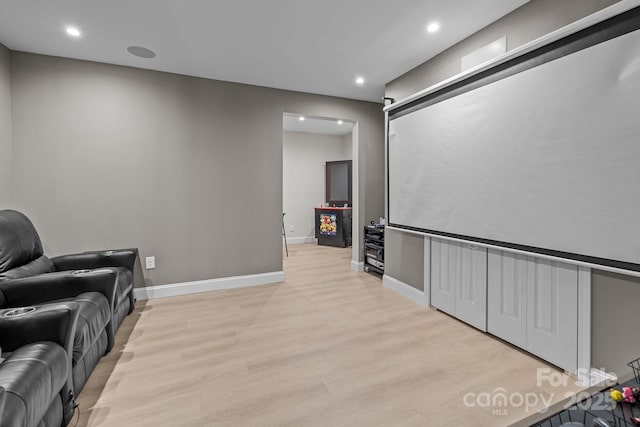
column 328, row 347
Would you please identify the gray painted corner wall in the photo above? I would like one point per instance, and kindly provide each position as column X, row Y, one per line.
column 6, row 133
column 527, row 23
column 404, row 257
column 615, row 297
column 347, row 144
column 615, row 339
column 186, row 169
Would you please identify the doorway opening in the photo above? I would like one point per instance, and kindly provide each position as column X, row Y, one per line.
column 309, row 143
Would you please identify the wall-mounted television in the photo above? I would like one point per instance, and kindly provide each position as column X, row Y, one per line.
column 338, row 183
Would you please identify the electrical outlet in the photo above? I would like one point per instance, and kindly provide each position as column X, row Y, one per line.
column 150, row 262
column 291, row 229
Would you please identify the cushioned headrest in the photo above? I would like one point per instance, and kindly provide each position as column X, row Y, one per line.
column 19, row 240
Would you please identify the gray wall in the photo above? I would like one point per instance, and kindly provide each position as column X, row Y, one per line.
column 532, row 20
column 615, row 336
column 404, row 257
column 5, row 126
column 186, row 169
column 614, row 342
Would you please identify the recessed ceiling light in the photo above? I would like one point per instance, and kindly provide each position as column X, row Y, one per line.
column 433, row 27
column 340, row 122
column 141, row 52
column 360, row 80
column 73, row 31
column 301, row 118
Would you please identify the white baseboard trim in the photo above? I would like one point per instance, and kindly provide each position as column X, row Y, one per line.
column 597, row 377
column 175, row 289
column 357, row 266
column 404, row 289
column 299, row 240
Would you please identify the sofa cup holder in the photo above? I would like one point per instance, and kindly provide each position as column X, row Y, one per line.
column 15, row 312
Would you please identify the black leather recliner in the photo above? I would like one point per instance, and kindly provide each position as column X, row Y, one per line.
column 93, row 292
column 121, row 261
column 21, row 255
column 35, row 380
column 3, row 397
column 104, row 295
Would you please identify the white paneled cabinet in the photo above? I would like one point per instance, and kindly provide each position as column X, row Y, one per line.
column 507, row 295
column 533, row 303
column 552, row 313
column 459, row 281
column 540, row 305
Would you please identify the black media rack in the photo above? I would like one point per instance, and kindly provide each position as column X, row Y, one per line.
column 374, row 248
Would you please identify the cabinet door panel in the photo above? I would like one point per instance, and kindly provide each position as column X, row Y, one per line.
column 508, row 278
column 459, row 280
column 471, row 292
column 444, row 261
column 552, row 313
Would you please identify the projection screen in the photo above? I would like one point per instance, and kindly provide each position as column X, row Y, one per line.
column 541, row 155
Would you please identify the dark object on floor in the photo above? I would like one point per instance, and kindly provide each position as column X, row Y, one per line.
column 284, row 234
column 100, row 282
column 35, row 377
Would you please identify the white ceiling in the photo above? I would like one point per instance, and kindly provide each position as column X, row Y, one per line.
column 319, row 125
column 309, row 46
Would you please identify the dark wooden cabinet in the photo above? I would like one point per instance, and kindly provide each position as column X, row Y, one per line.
column 333, row 226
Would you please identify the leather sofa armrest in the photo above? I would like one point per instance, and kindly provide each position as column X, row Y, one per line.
column 96, row 259
column 54, row 322
column 33, row 375
column 2, row 400
column 54, row 286
column 49, row 324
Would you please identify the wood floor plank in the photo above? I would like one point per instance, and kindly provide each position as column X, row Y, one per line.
column 327, row 347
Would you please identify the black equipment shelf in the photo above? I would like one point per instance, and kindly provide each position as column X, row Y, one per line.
column 374, row 248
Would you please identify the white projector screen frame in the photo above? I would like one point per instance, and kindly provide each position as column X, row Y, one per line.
column 540, row 154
